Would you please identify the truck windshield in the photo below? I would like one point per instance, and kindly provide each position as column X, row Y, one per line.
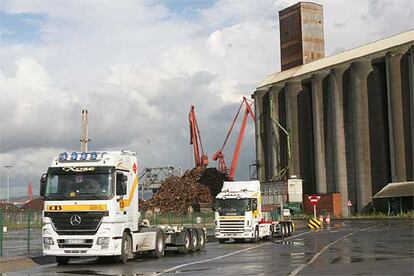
column 79, row 183
column 237, row 206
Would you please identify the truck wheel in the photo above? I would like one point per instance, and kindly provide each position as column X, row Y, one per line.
column 222, row 240
column 158, row 252
column 186, row 246
column 286, row 230
column 126, row 248
column 290, row 229
column 281, row 230
column 194, row 241
column 202, row 240
column 62, row 260
column 256, row 235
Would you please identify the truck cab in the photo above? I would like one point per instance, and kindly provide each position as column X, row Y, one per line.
column 91, row 209
column 238, row 211
column 239, row 216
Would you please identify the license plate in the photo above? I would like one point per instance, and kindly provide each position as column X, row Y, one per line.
column 74, row 241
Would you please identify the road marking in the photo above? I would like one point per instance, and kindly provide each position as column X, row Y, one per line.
column 298, row 269
column 223, row 256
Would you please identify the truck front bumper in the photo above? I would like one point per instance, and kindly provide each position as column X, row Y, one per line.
column 246, row 234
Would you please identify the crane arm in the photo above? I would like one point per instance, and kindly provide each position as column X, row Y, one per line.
column 219, row 155
column 201, row 160
column 248, row 111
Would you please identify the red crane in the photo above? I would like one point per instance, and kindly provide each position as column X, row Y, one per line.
column 201, row 160
column 219, row 155
column 29, row 192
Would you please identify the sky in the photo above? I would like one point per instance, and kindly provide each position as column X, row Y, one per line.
column 138, row 66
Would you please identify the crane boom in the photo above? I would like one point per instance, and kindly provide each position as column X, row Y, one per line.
column 219, row 155
column 200, row 159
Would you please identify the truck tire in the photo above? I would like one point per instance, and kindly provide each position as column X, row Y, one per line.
column 256, row 235
column 126, row 248
column 202, row 240
column 286, row 230
column 158, row 252
column 282, row 230
column 187, row 243
column 290, row 229
column 194, row 240
column 62, row 260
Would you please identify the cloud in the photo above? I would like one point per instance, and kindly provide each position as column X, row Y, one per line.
column 137, row 66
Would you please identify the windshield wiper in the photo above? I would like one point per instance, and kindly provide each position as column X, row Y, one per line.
column 57, row 197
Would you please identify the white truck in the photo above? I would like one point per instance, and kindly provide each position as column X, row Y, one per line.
column 238, row 214
column 91, row 209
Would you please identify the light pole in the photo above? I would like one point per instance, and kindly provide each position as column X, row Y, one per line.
column 8, row 167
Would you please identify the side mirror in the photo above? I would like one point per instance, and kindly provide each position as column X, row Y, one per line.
column 124, row 188
column 42, row 185
column 254, row 205
column 121, row 184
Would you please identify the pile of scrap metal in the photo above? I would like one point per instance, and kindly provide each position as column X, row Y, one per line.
column 185, row 194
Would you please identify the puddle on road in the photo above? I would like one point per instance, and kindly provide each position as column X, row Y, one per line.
column 295, row 254
column 85, row 272
column 359, row 259
column 98, row 273
column 189, row 270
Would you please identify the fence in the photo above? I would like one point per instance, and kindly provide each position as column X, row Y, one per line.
column 20, row 233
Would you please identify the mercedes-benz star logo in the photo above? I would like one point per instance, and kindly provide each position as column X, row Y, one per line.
column 75, row 220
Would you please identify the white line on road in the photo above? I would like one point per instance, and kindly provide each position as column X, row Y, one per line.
column 223, row 256
column 298, row 269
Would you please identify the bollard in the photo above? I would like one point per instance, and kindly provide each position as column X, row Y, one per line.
column 328, row 221
column 321, row 220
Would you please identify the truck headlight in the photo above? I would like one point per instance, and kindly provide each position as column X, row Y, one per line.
column 48, row 241
column 102, row 241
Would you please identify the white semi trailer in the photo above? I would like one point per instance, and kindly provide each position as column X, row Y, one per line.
column 239, row 216
column 91, row 209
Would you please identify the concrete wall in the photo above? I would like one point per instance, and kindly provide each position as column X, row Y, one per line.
column 350, row 127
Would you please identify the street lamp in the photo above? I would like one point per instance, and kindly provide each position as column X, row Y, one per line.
column 8, row 167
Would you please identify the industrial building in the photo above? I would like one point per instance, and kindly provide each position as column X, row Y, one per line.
column 344, row 123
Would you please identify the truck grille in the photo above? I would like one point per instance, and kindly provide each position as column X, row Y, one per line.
column 231, row 226
column 76, row 223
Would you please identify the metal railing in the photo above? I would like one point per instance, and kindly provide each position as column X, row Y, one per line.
column 20, row 233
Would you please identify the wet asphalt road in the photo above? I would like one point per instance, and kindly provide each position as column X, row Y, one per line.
column 349, row 248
